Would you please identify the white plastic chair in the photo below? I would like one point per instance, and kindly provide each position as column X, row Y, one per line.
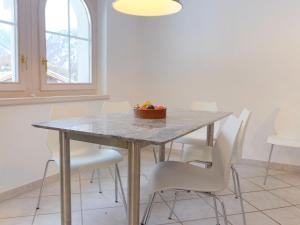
column 112, row 107
column 204, row 153
column 287, row 128
column 84, row 156
column 198, row 137
column 171, row 175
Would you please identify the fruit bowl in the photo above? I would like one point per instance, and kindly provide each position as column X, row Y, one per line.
column 149, row 111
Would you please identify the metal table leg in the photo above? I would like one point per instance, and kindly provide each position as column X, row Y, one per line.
column 65, row 179
column 162, row 153
column 134, row 157
column 210, row 134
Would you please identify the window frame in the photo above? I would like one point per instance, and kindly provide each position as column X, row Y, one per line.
column 44, row 86
column 22, row 50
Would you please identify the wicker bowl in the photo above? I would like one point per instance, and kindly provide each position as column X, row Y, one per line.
column 150, row 113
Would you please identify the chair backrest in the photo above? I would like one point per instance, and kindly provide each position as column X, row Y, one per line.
column 224, row 147
column 204, row 106
column 62, row 112
column 238, row 152
column 116, row 107
column 207, row 107
column 287, row 123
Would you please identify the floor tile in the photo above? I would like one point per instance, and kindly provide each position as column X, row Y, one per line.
column 254, row 218
column 285, row 216
column 290, row 194
column 232, row 205
column 264, row 200
column 17, row 221
column 193, row 209
column 272, row 182
column 246, row 186
column 18, row 207
column 104, row 173
column 51, row 204
column 159, row 214
column 250, row 171
column 98, row 201
column 210, row 221
column 54, row 219
column 51, row 189
column 109, row 216
column 107, row 183
column 290, row 178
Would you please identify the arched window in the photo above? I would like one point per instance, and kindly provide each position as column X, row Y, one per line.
column 68, row 42
column 8, row 42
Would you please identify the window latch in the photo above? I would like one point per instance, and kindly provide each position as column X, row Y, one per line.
column 45, row 63
column 24, row 61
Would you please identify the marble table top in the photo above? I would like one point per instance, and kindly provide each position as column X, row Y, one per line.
column 127, row 127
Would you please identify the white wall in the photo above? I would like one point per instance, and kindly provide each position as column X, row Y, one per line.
column 125, row 56
column 23, row 150
column 237, row 53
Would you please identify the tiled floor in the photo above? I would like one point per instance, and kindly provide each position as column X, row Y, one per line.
column 277, row 203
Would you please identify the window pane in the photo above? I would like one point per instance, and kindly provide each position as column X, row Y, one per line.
column 58, row 58
column 79, row 19
column 7, row 53
column 80, row 61
column 7, row 10
column 57, row 16
column 68, row 42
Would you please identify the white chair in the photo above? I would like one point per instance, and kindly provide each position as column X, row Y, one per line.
column 112, row 107
column 287, row 128
column 198, row 137
column 84, row 156
column 204, row 153
column 171, row 175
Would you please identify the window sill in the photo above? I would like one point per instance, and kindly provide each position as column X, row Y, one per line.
column 47, row 100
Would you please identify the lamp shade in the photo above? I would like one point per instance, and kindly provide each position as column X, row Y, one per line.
column 147, row 7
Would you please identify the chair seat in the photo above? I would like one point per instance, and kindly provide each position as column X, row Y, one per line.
column 283, row 141
column 184, row 176
column 85, row 159
column 197, row 153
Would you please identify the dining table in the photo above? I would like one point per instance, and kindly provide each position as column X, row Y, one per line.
column 124, row 130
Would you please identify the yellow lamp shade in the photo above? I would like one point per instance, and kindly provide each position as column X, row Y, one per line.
column 147, row 7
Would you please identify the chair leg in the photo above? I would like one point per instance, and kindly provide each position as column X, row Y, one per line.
column 116, row 185
column 154, row 155
column 268, row 166
column 43, row 183
column 173, row 206
column 224, row 213
column 148, row 209
column 240, row 195
column 121, row 187
column 80, row 196
column 92, row 176
column 216, row 210
column 99, row 181
column 171, row 148
column 234, row 183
